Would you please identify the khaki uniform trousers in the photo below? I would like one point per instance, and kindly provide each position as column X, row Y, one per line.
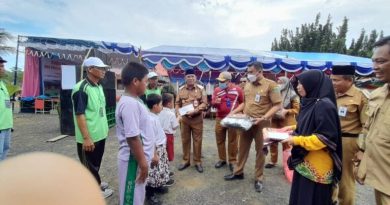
column 220, row 136
column 194, row 131
column 246, row 138
column 346, row 186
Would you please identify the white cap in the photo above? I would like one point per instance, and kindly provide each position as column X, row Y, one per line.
column 94, row 61
column 152, row 75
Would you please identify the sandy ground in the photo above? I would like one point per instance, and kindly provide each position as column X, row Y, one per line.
column 191, row 187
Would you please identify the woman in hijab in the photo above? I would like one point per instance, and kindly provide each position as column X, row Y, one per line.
column 284, row 117
column 316, row 153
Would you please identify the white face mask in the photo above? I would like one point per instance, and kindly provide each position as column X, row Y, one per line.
column 252, row 78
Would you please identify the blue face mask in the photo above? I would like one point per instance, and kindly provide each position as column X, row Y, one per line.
column 223, row 85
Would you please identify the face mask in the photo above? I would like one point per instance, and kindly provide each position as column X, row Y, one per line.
column 223, row 85
column 252, row 78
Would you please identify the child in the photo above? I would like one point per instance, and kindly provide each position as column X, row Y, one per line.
column 159, row 173
column 136, row 139
column 169, row 123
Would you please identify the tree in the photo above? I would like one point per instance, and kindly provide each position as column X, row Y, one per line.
column 318, row 37
column 4, row 38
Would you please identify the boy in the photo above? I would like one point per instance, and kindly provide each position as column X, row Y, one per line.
column 169, row 122
column 136, row 139
column 159, row 173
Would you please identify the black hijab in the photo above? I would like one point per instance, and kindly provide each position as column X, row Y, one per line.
column 318, row 115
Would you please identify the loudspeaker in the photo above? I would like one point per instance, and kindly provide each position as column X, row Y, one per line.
column 66, row 116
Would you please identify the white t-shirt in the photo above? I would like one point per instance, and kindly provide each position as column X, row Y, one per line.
column 159, row 134
column 168, row 121
column 133, row 119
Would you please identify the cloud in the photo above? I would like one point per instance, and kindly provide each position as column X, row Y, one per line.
column 250, row 24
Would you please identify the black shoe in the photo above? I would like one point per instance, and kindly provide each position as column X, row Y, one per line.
column 183, row 167
column 258, row 186
column 231, row 167
column 231, row 177
column 220, row 164
column 169, row 183
column 269, row 166
column 171, row 174
column 199, row 168
column 154, row 200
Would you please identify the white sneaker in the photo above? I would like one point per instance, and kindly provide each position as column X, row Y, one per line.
column 107, row 193
column 103, row 185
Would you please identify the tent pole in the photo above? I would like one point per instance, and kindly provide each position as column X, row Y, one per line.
column 15, row 71
column 16, row 62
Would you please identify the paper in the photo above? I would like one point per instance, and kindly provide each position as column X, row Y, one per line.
column 277, row 135
column 272, row 134
column 68, row 73
column 186, row 109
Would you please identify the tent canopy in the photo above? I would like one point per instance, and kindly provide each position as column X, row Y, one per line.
column 220, row 59
column 44, row 57
column 118, row 54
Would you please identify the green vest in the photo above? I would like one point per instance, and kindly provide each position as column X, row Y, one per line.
column 6, row 120
column 95, row 113
column 154, row 91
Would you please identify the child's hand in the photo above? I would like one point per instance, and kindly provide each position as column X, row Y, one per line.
column 143, row 172
column 288, row 129
column 155, row 160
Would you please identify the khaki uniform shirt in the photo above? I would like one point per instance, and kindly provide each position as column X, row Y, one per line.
column 377, row 147
column 260, row 98
column 196, row 96
column 351, row 108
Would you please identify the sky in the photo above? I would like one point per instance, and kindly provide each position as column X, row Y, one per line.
column 247, row 24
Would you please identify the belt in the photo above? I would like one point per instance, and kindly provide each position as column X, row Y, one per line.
column 349, row 135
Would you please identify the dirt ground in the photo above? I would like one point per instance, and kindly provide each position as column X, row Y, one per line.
column 191, row 187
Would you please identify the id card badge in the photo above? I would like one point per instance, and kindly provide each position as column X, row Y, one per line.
column 7, row 104
column 343, row 111
column 257, row 98
column 101, row 112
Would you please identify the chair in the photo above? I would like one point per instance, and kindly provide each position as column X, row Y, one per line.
column 39, row 106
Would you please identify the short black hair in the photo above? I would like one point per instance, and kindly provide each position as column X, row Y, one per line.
column 153, row 99
column 257, row 65
column 167, row 98
column 131, row 71
column 383, row 41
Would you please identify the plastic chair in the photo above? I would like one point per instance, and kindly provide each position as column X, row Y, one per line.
column 39, row 106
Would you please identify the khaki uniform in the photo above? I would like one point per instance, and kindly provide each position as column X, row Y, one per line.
column 377, row 144
column 258, row 99
column 351, row 107
column 192, row 126
column 290, row 119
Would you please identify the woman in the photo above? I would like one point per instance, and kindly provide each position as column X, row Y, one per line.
column 316, row 154
column 284, row 117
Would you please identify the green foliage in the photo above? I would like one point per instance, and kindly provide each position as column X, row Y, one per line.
column 12, row 89
column 318, row 37
column 9, row 77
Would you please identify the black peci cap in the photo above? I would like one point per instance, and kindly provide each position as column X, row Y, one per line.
column 343, row 70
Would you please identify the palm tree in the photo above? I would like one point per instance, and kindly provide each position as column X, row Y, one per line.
column 4, row 37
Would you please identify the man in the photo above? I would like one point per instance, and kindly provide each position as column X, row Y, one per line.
column 89, row 108
column 351, row 104
column 6, row 119
column 226, row 97
column 262, row 100
column 152, row 84
column 192, row 122
column 376, row 147
column 243, row 81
